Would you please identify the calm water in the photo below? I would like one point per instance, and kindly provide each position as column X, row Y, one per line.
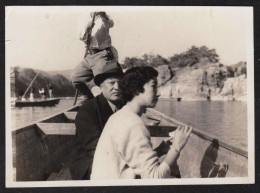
column 226, row 120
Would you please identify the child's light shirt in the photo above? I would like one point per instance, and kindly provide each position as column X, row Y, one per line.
column 100, row 38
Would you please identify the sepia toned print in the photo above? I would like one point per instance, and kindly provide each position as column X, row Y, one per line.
column 64, row 82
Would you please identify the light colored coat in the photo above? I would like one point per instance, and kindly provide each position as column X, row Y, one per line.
column 125, row 150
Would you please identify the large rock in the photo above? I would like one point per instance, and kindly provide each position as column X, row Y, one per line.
column 165, row 74
column 216, row 80
column 235, row 87
column 239, row 68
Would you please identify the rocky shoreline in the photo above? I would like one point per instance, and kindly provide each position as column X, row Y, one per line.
column 196, row 83
column 191, row 83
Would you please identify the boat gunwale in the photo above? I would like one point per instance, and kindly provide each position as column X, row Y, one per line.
column 202, row 134
column 34, row 123
column 40, row 99
column 28, row 103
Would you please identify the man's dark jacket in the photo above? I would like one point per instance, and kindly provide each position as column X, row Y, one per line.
column 90, row 121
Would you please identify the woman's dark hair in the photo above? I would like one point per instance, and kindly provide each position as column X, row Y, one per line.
column 133, row 81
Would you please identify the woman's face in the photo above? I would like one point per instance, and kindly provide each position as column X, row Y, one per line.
column 150, row 94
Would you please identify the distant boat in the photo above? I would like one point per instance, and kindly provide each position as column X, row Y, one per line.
column 178, row 98
column 37, row 102
column 22, row 102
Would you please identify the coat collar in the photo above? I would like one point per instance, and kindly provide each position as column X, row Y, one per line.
column 102, row 101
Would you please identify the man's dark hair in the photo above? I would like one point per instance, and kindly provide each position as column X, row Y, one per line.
column 133, row 81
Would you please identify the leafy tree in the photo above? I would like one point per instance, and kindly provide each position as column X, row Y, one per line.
column 158, row 61
column 133, row 62
column 146, row 60
column 193, row 56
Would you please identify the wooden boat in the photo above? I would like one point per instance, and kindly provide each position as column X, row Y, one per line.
column 177, row 99
column 172, row 95
column 172, row 99
column 42, row 149
column 37, row 102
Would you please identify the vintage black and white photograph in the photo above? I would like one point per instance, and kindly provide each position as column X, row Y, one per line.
column 129, row 95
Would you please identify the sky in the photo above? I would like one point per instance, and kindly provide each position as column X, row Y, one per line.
column 45, row 37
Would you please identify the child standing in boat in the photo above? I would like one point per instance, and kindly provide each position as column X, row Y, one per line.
column 94, row 32
column 42, row 93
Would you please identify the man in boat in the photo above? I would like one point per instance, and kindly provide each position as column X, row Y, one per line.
column 20, row 94
column 50, row 90
column 92, row 117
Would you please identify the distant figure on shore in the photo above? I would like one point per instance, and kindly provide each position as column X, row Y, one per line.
column 178, row 93
column 209, row 92
column 232, row 93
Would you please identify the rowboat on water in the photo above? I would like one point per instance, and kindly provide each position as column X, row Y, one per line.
column 21, row 101
column 42, row 149
column 172, row 99
column 174, row 95
column 37, row 102
column 176, row 99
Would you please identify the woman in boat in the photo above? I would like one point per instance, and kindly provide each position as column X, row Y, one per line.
column 124, row 149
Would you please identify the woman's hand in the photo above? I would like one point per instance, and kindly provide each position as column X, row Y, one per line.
column 180, row 137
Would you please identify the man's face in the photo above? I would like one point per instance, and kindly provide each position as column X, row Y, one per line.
column 109, row 88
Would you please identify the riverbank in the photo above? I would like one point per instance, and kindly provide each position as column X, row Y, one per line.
column 195, row 84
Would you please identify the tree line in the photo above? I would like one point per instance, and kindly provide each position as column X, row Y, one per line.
column 189, row 58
